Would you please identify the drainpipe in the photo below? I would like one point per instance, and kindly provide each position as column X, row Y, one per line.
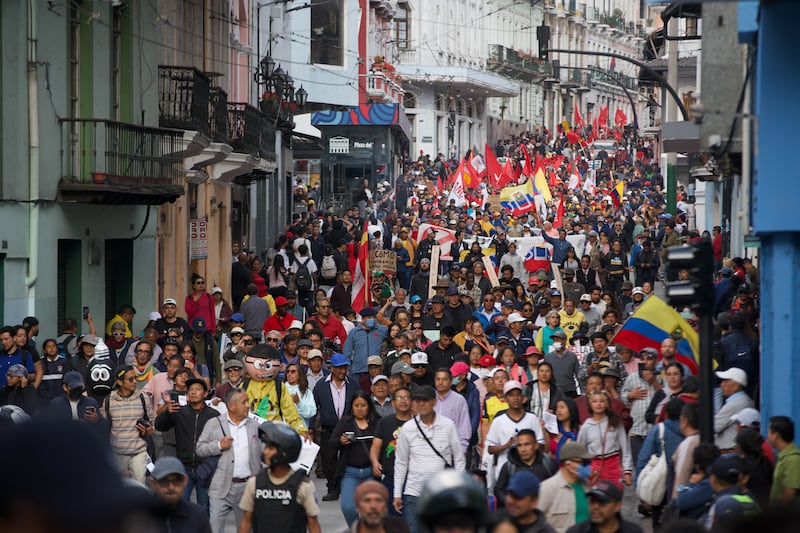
column 33, row 158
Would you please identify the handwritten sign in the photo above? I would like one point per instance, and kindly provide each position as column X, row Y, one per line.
column 198, row 239
column 385, row 260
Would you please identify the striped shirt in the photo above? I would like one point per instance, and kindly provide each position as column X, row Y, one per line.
column 122, row 414
column 638, row 408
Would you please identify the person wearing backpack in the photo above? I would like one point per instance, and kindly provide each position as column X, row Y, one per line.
column 671, row 436
column 304, row 270
column 328, row 268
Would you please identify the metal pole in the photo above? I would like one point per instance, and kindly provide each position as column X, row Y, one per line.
column 643, row 66
column 706, row 395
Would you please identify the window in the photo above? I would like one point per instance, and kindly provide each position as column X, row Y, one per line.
column 327, row 44
column 74, row 58
column 401, row 21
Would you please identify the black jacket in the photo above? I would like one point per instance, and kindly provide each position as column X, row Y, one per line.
column 185, row 517
column 543, row 467
column 624, row 527
column 188, row 424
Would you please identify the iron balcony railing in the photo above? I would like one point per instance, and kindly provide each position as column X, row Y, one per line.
column 108, row 152
column 250, row 131
column 218, row 115
column 183, row 98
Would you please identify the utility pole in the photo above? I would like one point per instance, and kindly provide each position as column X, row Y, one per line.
column 671, row 116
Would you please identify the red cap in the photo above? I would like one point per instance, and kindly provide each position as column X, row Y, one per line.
column 487, row 361
column 280, row 300
column 459, row 367
column 533, row 350
column 533, row 280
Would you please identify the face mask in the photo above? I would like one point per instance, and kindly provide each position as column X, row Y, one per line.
column 584, row 471
column 75, row 394
column 456, row 381
column 557, row 345
column 370, row 323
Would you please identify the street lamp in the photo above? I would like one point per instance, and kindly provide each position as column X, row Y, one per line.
column 301, row 97
column 652, row 106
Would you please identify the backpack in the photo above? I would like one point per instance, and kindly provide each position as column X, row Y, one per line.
column 64, row 345
column 302, row 278
column 652, row 484
column 328, row 267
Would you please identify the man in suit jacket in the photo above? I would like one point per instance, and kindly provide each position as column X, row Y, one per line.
column 330, row 408
column 234, row 437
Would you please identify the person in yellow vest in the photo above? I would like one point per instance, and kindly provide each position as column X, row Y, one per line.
column 571, row 318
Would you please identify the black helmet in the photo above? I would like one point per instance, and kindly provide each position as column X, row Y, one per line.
column 452, row 498
column 285, row 438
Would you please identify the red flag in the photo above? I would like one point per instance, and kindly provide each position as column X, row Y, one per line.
column 617, row 135
column 509, row 174
column 468, row 173
column 619, row 118
column 360, row 289
column 578, row 120
column 603, row 119
column 558, row 221
column 527, row 169
column 493, row 169
column 554, row 181
column 573, row 138
column 554, row 161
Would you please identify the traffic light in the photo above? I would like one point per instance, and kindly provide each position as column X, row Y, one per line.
column 543, row 38
column 697, row 292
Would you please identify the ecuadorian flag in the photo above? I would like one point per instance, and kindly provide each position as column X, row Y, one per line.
column 653, row 322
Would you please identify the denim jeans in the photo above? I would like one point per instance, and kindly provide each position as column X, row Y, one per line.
column 410, row 512
column 352, row 477
column 202, row 493
column 388, row 482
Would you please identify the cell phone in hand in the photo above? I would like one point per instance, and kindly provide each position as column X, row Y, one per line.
column 91, row 409
column 85, row 312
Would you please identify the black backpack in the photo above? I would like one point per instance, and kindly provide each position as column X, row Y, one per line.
column 302, row 278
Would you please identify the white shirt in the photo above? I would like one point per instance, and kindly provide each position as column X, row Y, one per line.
column 504, row 427
column 241, row 453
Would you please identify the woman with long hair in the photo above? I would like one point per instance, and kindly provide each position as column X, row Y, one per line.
column 353, row 438
column 257, row 271
column 508, row 360
column 571, row 260
column 568, row 425
column 302, row 396
column 604, row 436
column 277, row 275
column 196, row 369
column 478, row 337
column 544, row 393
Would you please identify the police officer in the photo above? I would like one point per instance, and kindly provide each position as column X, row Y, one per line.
column 451, row 500
column 279, row 498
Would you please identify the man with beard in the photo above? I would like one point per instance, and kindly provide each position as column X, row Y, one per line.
column 170, row 319
column 419, row 281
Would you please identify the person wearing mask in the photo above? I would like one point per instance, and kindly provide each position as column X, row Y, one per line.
column 18, row 391
column 73, row 404
column 563, row 496
column 365, row 340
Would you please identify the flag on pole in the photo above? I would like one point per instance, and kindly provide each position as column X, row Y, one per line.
column 578, row 120
column 518, row 200
column 558, row 221
column 509, row 174
column 457, row 192
column 574, row 180
column 603, row 119
column 540, row 186
column 617, row 192
column 653, row 322
column 589, row 184
column 613, row 65
column 573, row 138
column 619, row 118
column 493, row 169
column 467, row 174
column 478, row 165
column 360, row 291
column 527, row 169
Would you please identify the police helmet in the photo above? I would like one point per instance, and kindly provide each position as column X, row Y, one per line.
column 12, row 415
column 452, row 498
column 285, row 438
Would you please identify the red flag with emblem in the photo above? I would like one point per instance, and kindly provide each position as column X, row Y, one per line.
column 578, row 120
column 619, row 118
column 558, row 221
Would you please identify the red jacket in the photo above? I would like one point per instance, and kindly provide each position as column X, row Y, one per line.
column 203, row 308
column 279, row 324
column 332, row 329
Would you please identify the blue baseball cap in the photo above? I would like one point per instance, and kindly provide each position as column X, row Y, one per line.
column 416, row 298
column 338, row 359
column 237, row 317
column 524, row 483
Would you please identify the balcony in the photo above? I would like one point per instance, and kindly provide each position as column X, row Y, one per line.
column 218, row 115
column 515, row 64
column 112, row 163
column 250, row 131
column 383, row 89
column 183, row 99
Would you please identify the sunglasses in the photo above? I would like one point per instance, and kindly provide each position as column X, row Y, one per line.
column 118, row 333
column 419, row 366
column 234, row 369
column 273, row 339
column 291, row 371
column 248, row 343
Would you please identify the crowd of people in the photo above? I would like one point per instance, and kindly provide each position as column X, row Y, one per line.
column 515, row 388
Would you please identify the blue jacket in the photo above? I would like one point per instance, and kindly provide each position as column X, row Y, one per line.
column 472, row 396
column 652, row 444
column 695, row 500
column 324, row 400
column 362, row 343
column 59, row 409
column 559, row 247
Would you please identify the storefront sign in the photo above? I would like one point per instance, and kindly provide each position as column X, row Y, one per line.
column 339, row 145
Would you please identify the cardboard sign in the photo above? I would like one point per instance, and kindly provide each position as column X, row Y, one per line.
column 385, row 260
column 489, row 268
column 557, row 277
column 433, row 278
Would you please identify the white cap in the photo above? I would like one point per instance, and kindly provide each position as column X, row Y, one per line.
column 748, row 417
column 734, row 374
column 495, row 370
column 586, row 298
column 419, row 358
column 170, row 301
column 511, row 385
column 378, row 378
column 637, row 290
column 515, row 317
column 296, row 324
column 216, row 290
column 553, row 284
column 154, row 315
